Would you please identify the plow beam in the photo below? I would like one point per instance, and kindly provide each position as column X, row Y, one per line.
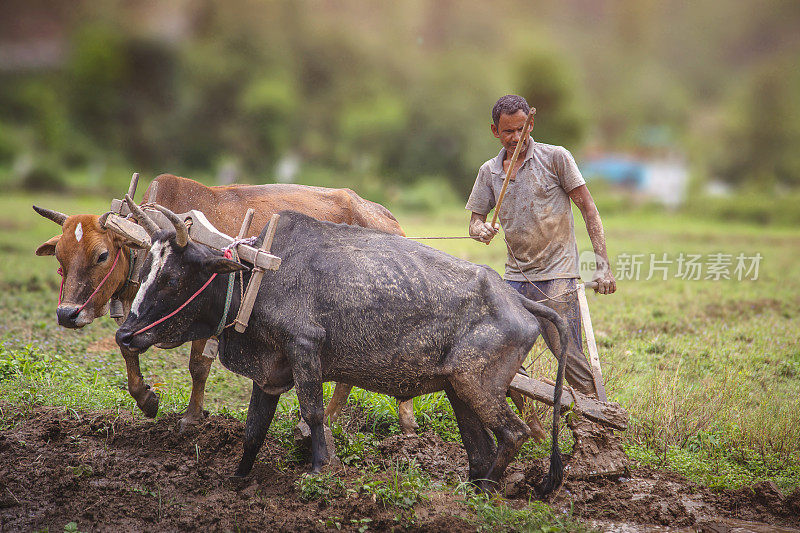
column 606, row 413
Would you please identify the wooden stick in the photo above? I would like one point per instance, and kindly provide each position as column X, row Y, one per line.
column 153, row 198
column 246, row 307
column 134, row 183
column 594, row 358
column 606, row 413
column 248, row 219
column 523, row 140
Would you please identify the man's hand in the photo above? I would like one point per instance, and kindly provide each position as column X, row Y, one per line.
column 606, row 284
column 480, row 230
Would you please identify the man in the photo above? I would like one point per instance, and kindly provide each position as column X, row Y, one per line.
column 536, row 215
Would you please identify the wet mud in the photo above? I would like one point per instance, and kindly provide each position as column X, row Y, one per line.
column 109, row 471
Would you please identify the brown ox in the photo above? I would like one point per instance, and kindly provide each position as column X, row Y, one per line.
column 87, row 252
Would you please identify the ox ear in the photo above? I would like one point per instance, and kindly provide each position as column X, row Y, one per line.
column 220, row 265
column 48, row 248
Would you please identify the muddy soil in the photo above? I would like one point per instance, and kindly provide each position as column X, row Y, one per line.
column 107, row 471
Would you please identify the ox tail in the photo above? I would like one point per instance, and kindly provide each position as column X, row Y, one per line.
column 556, row 474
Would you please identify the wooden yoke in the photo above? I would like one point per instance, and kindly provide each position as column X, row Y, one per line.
column 246, row 307
column 202, row 231
column 116, row 308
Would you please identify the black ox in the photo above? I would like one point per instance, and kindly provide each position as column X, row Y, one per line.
column 362, row 307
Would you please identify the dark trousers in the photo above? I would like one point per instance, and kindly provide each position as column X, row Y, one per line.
column 578, row 372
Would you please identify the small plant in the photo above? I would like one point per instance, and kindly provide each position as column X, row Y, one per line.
column 315, row 487
column 703, row 441
column 436, row 414
column 352, row 448
column 80, row 470
column 494, row 514
column 332, row 521
column 404, row 487
column 27, row 361
column 362, row 523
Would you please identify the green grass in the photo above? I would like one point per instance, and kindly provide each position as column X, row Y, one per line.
column 709, row 370
column 401, row 487
column 494, row 514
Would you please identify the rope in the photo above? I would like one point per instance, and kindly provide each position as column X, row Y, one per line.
column 514, row 257
column 61, row 288
column 228, row 255
column 230, row 252
column 546, row 297
column 184, row 304
column 439, row 238
column 250, row 241
column 129, row 276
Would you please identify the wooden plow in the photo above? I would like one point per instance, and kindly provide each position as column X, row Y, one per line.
column 597, row 450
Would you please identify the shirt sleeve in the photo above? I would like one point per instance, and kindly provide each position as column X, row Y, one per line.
column 569, row 176
column 482, row 200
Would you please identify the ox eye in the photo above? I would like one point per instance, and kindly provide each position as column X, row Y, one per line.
column 102, row 257
column 172, row 283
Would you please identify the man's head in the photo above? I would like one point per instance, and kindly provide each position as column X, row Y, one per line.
column 509, row 105
column 508, row 116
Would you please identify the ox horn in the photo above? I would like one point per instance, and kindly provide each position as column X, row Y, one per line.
column 55, row 216
column 144, row 221
column 181, row 233
column 102, row 220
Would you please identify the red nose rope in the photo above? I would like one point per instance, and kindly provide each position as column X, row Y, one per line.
column 228, row 255
column 61, row 288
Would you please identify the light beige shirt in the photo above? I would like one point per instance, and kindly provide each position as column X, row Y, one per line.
column 536, row 214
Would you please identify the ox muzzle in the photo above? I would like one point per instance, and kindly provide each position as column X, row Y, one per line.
column 68, row 316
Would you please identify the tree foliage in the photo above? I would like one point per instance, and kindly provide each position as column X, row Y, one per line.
column 401, row 90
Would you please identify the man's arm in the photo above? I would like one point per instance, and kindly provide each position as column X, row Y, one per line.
column 480, row 230
column 594, row 226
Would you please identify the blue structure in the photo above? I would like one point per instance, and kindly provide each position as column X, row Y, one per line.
column 616, row 169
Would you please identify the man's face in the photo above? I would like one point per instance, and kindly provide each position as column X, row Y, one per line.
column 509, row 130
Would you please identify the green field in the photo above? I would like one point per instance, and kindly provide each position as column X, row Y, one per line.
column 709, row 369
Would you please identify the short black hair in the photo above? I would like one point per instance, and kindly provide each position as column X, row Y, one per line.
column 508, row 105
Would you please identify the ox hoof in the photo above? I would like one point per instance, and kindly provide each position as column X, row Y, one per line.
column 242, row 472
column 187, row 423
column 485, row 486
column 409, row 426
column 150, row 404
column 190, row 420
column 237, row 476
column 410, row 431
column 322, row 468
